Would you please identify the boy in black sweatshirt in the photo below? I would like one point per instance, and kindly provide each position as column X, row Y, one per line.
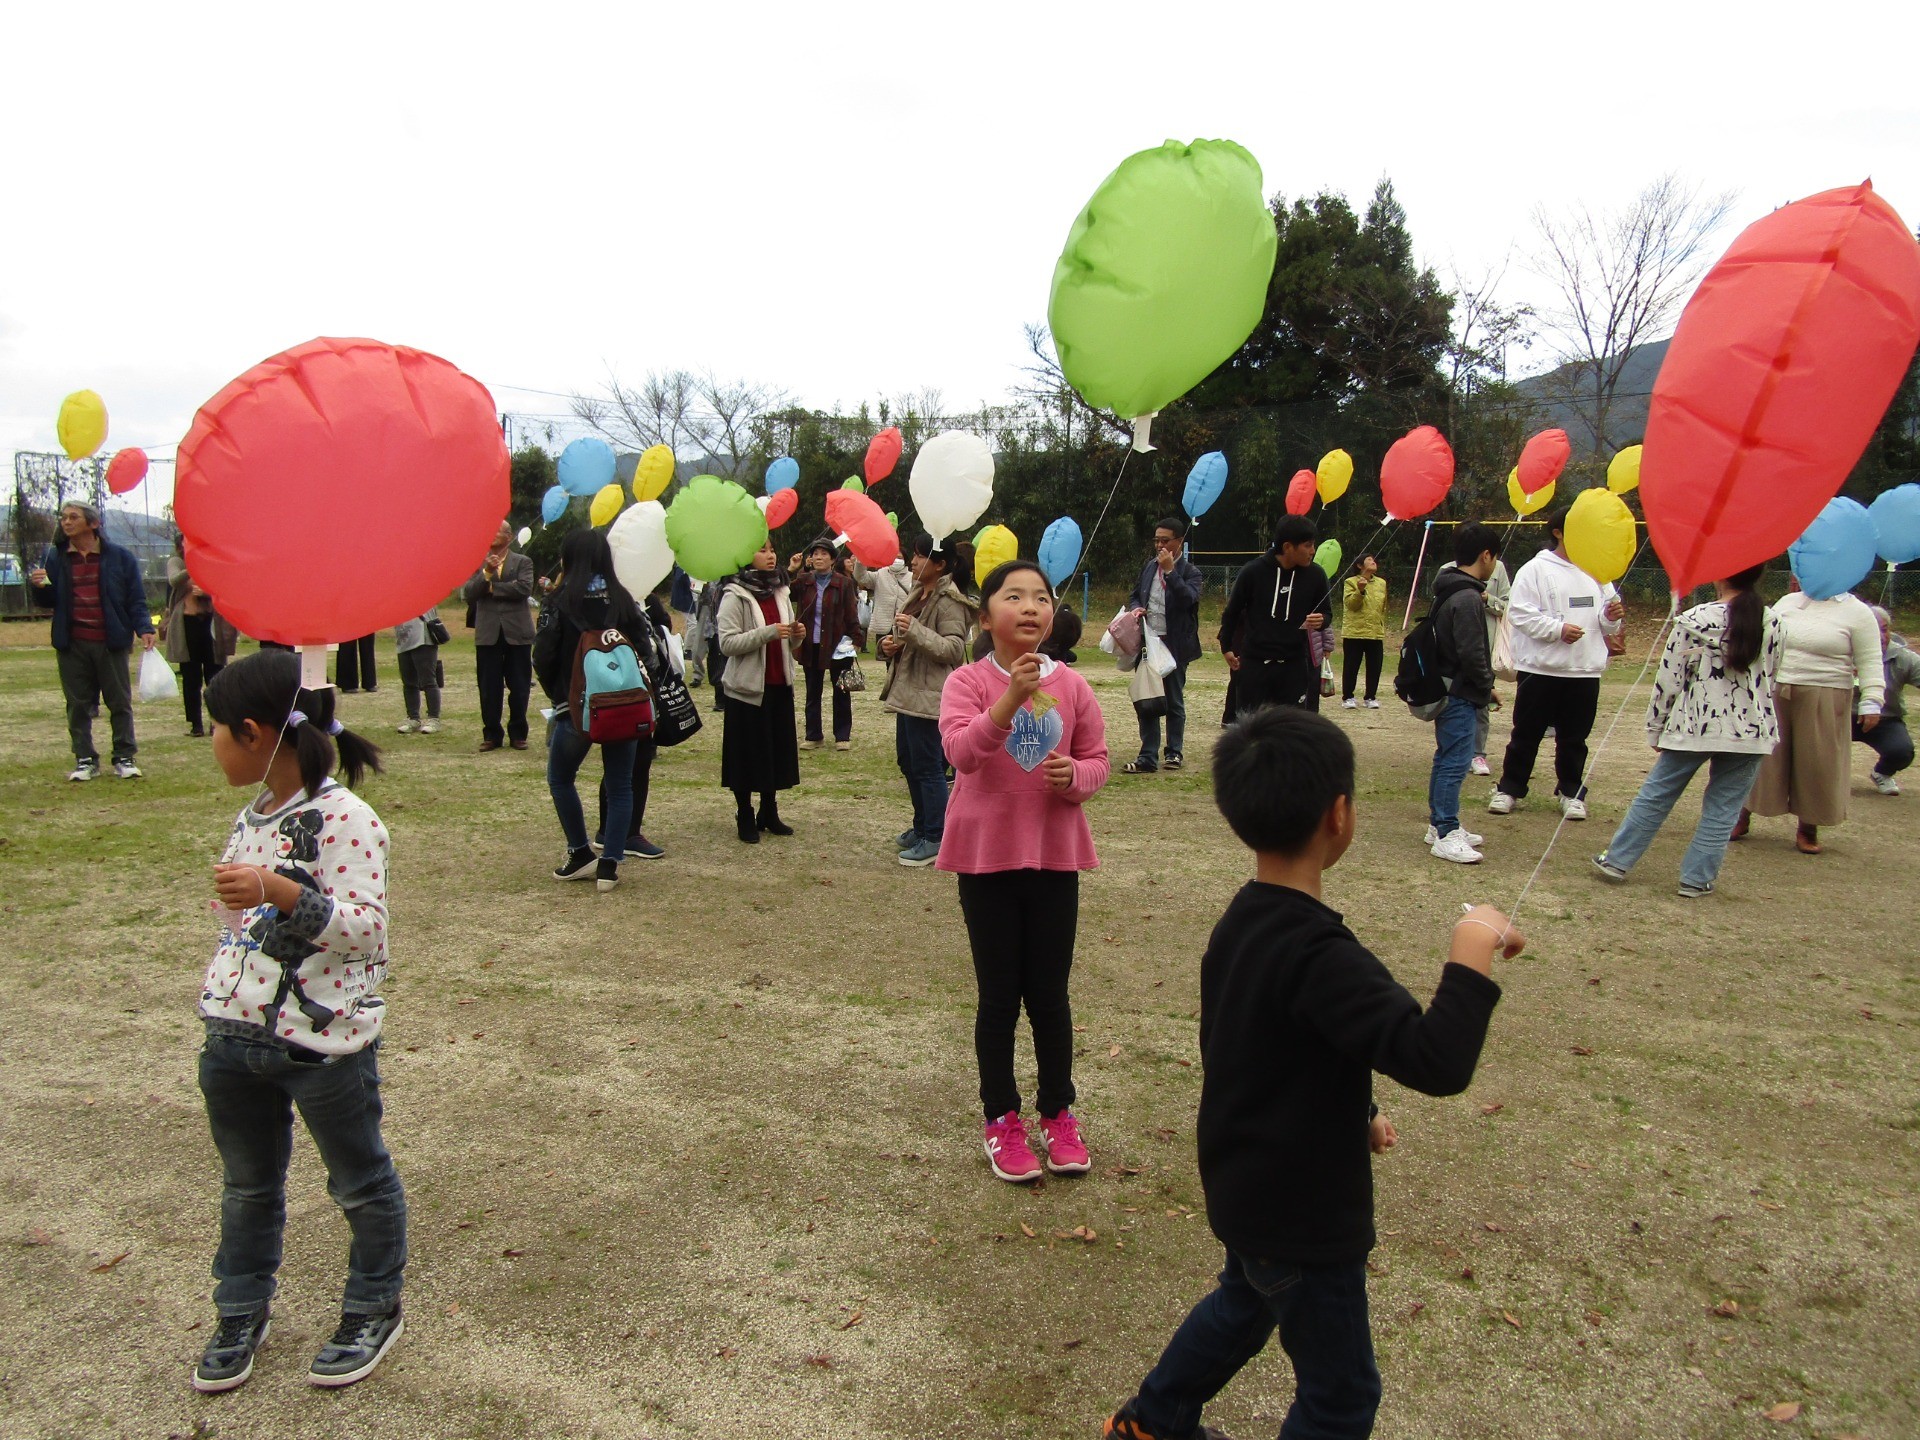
column 1263, row 631
column 1295, row 1015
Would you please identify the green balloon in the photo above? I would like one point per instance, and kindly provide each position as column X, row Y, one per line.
column 893, row 518
column 1328, row 557
column 714, row 527
column 1164, row 275
column 854, row 482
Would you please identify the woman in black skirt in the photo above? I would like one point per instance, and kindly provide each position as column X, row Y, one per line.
column 759, row 750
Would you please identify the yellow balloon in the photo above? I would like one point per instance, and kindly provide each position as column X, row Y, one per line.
column 992, row 548
column 1332, row 476
column 83, row 424
column 606, row 505
column 1601, row 536
column 1523, row 503
column 653, row 474
column 1623, row 471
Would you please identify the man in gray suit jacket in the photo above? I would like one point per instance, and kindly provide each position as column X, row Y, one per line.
column 503, row 639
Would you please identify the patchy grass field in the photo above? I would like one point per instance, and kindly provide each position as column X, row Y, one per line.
column 700, row 1157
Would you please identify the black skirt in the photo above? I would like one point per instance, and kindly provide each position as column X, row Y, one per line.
column 759, row 747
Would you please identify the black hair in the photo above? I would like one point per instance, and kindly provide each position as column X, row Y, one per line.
column 1472, row 540
column 1173, row 523
column 1746, row 620
column 1557, row 520
column 1276, row 772
column 998, row 576
column 265, row 688
column 1294, row 530
column 584, row 553
column 955, row 558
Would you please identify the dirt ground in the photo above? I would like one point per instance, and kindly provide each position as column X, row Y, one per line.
column 701, row 1157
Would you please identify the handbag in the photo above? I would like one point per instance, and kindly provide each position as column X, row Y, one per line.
column 1148, row 691
column 1503, row 667
column 437, row 630
column 851, row 680
column 1326, row 677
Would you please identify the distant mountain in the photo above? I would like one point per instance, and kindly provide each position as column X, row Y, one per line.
column 1556, row 393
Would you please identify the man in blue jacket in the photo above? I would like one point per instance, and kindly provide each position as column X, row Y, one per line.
column 99, row 605
column 1167, row 596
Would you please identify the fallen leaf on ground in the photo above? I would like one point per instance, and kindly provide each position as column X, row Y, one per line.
column 512, row 1254
column 37, row 1236
column 1079, row 1232
column 1072, row 1344
column 1415, row 1308
column 1494, row 1226
column 1581, row 1049
column 1507, row 1315
column 1727, row 1309
column 725, row 1352
column 854, row 1319
column 105, row 1265
column 1786, row 1410
column 1494, row 1109
column 1026, row 1230
column 1112, row 1050
column 820, row 1362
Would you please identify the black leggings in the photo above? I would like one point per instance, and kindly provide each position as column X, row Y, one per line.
column 1352, row 652
column 1021, row 925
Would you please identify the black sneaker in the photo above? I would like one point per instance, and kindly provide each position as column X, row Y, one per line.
column 641, row 848
column 577, row 866
column 228, row 1360
column 361, row 1342
column 1173, row 761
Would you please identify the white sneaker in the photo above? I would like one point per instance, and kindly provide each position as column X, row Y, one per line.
column 1456, row 849
column 1433, row 836
column 1479, row 766
column 1349, row 704
column 126, row 770
column 1885, row 784
column 430, row 727
column 1373, row 704
column 85, row 770
column 1573, row 809
column 1501, row 803
column 407, row 727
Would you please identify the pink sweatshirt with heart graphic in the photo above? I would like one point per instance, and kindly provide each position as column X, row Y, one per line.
column 1003, row 816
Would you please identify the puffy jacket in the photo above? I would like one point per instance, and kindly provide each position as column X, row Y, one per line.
column 1364, row 608
column 1700, row 703
column 932, row 649
column 123, row 598
column 1460, row 636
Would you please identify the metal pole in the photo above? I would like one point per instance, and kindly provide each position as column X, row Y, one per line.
column 1414, row 588
column 1086, row 583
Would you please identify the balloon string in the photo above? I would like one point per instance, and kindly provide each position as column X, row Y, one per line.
column 1087, row 549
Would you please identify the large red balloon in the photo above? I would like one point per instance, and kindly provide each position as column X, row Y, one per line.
column 1542, row 460
column 883, row 453
column 1416, row 474
column 1300, row 492
column 869, row 536
column 126, row 470
column 1783, row 363
column 340, row 488
column 781, row 506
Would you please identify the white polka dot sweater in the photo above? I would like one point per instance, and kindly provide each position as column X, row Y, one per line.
column 308, row 978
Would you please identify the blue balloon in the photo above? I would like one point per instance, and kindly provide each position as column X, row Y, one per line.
column 553, row 505
column 1060, row 550
column 586, row 466
column 1836, row 552
column 782, row 474
column 1896, row 521
column 1204, row 483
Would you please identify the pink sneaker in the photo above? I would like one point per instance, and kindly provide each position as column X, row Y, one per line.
column 1008, row 1152
column 1060, row 1138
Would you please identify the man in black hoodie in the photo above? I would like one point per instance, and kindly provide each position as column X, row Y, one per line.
column 1278, row 599
column 1460, row 640
column 1295, row 1016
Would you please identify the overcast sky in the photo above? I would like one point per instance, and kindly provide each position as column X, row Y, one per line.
column 845, row 200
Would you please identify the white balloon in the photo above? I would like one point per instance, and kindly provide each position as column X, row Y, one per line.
column 763, row 501
column 952, row 482
column 526, row 534
column 641, row 556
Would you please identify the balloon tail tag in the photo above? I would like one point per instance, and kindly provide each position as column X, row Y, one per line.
column 313, row 667
column 1143, row 431
column 1036, row 732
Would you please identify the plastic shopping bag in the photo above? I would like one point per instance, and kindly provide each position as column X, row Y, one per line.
column 156, row 678
column 1158, row 655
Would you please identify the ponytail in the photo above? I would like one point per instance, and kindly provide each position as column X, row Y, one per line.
column 265, row 688
column 1746, row 620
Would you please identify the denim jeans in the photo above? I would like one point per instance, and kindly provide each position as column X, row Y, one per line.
column 251, row 1091
column 917, row 748
column 1729, row 778
column 1176, row 682
column 567, row 749
column 1321, row 1313
column 1890, row 741
column 1455, row 729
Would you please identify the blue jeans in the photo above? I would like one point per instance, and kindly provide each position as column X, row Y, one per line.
column 1890, row 741
column 567, row 749
column 1455, row 731
column 1176, row 682
column 251, row 1091
column 1321, row 1313
column 917, row 749
column 1729, row 778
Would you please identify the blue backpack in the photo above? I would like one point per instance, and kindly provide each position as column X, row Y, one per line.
column 610, row 697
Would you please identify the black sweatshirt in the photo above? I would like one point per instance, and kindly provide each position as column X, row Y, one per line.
column 1273, row 605
column 1295, row 1016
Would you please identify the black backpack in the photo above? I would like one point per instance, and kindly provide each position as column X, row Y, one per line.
column 1418, row 681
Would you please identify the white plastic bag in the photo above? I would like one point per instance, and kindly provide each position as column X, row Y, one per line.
column 1157, row 653
column 156, row 678
column 676, row 654
column 1107, row 644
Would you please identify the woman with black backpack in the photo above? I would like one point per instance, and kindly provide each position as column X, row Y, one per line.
column 589, row 601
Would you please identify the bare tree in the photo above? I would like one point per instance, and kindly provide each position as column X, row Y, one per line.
column 730, row 410
column 1484, row 331
column 698, row 416
column 1622, row 279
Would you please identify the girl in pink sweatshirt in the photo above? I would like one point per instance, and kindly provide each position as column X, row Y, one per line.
column 1029, row 748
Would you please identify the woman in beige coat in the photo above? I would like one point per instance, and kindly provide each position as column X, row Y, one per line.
column 759, row 750
column 926, row 643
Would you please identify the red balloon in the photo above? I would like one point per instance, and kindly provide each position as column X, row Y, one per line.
column 1784, row 361
column 883, row 453
column 1544, row 457
column 126, row 470
column 781, row 507
column 865, row 526
column 1300, row 492
column 1416, row 474
column 340, row 488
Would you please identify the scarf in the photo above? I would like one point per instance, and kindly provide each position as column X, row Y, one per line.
column 761, row 584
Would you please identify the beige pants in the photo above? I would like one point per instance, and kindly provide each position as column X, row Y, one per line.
column 1809, row 772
